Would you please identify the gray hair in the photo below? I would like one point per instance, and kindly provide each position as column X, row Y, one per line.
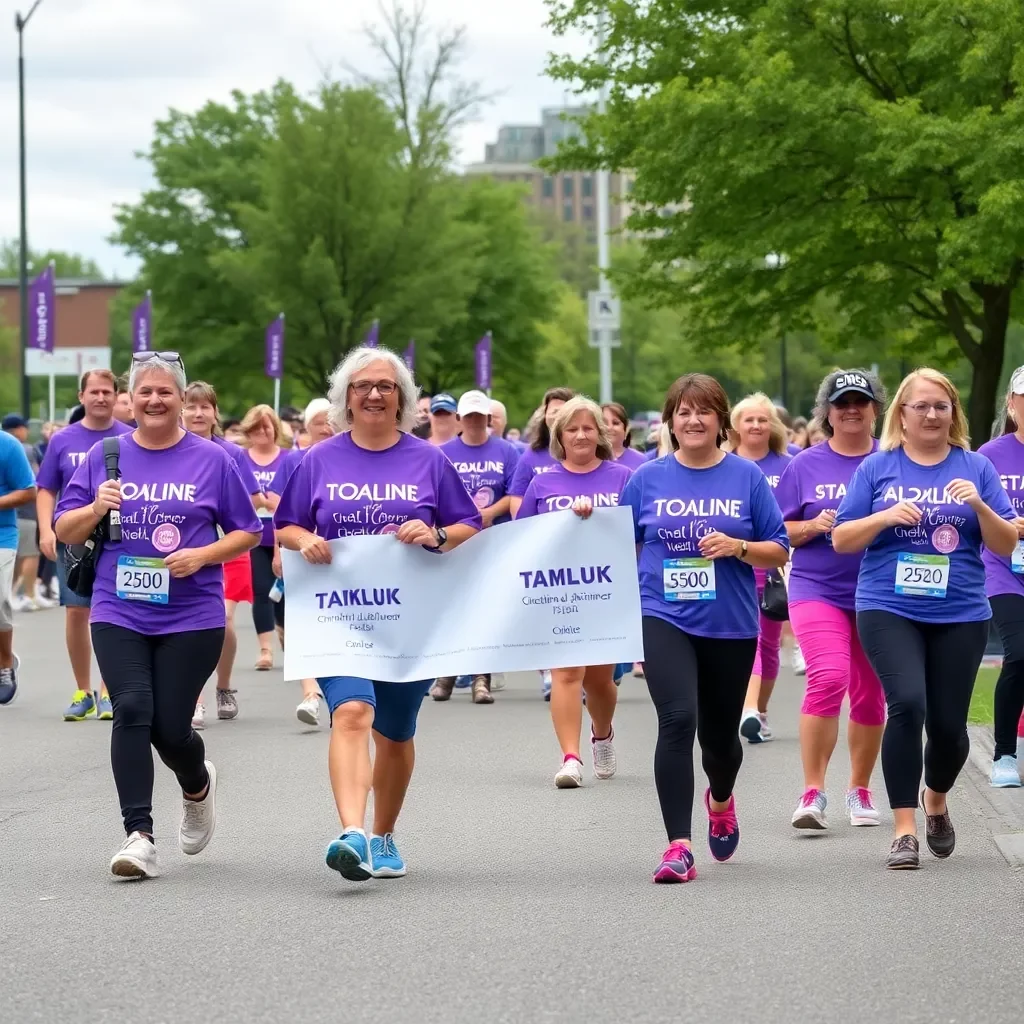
column 314, row 408
column 821, row 403
column 358, row 359
column 580, row 404
column 140, row 369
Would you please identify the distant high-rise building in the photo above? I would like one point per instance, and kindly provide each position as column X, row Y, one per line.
column 570, row 196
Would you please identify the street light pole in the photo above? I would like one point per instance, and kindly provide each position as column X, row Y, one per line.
column 603, row 259
column 20, row 23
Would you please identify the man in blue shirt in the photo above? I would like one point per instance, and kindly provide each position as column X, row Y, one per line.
column 17, row 487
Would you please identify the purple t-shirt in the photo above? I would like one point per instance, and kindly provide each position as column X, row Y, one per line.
column 272, row 477
column 793, row 449
column 651, row 454
column 341, row 490
column 1006, row 453
column 486, row 469
column 530, row 464
column 170, row 499
column 937, row 564
column 632, row 458
column 772, row 466
column 673, row 507
column 67, row 451
column 814, row 481
column 558, row 489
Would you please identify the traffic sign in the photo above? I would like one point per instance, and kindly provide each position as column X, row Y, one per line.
column 605, row 311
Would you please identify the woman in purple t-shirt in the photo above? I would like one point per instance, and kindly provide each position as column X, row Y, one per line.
column 617, row 423
column 373, row 478
column 537, row 458
column 271, row 465
column 822, row 598
column 157, row 614
column 586, row 477
column 758, row 434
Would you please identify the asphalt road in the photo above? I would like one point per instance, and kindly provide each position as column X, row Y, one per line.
column 522, row 903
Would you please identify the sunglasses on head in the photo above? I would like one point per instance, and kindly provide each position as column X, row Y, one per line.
column 167, row 357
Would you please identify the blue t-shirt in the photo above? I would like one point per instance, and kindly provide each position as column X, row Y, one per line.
column 486, row 469
column 931, row 572
column 15, row 475
column 673, row 507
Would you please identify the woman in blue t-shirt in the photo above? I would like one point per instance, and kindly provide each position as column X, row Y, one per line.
column 920, row 509
column 703, row 520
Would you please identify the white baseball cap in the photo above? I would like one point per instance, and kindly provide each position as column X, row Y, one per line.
column 1017, row 381
column 474, row 401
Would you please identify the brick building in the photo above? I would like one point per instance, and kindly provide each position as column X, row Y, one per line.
column 82, row 315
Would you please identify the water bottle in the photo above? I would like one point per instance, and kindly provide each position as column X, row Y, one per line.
column 277, row 591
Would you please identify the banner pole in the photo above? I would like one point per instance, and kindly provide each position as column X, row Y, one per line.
column 53, row 390
column 277, row 396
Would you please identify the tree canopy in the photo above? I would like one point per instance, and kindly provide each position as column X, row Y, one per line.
column 787, row 154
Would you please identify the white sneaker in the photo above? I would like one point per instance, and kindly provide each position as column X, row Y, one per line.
column 604, row 756
column 198, row 819
column 570, row 775
column 44, row 603
column 766, row 730
column 199, row 718
column 752, row 726
column 862, row 807
column 20, row 603
column 55, row 590
column 1004, row 773
column 799, row 665
column 136, row 859
column 497, row 681
column 308, row 712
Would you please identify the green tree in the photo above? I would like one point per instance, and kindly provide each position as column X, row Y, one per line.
column 66, row 264
column 879, row 153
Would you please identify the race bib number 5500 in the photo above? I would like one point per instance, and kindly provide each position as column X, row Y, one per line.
column 689, row 579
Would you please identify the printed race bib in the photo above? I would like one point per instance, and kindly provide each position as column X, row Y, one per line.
column 689, row 579
column 1017, row 558
column 143, row 579
column 264, row 513
column 922, row 575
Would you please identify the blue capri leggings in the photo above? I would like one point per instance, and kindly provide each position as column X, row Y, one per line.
column 396, row 705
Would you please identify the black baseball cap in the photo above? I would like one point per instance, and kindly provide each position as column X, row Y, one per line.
column 850, row 381
column 12, row 421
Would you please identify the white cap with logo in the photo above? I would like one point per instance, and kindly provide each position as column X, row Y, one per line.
column 474, row 401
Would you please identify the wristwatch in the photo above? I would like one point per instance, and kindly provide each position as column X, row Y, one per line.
column 743, row 550
column 442, row 538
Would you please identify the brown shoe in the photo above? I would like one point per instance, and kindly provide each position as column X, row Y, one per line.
column 266, row 662
column 482, row 690
column 442, row 688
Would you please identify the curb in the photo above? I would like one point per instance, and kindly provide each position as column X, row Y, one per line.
column 1002, row 809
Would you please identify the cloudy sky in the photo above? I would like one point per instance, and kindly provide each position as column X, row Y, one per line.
column 100, row 72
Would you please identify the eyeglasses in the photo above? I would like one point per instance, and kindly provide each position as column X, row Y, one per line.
column 167, row 357
column 363, row 387
column 923, row 408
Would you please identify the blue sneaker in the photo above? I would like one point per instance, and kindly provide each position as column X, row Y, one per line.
column 8, row 686
column 1004, row 772
column 463, row 682
column 387, row 861
column 723, row 829
column 349, row 855
column 81, row 707
column 106, row 710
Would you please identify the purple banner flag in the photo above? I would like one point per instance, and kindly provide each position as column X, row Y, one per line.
column 41, row 307
column 410, row 356
column 274, row 365
column 483, row 362
column 372, row 335
column 142, row 325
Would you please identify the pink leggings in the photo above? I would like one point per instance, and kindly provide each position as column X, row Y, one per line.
column 836, row 662
column 769, row 639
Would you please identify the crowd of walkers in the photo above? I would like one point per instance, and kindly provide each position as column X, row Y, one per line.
column 874, row 533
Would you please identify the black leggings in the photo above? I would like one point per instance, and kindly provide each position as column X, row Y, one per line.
column 927, row 671
column 265, row 613
column 154, row 683
column 697, row 684
column 1008, row 612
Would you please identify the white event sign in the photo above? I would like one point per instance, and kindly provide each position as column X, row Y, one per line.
column 552, row 591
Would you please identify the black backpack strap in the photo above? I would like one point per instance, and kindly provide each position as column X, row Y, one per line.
column 112, row 446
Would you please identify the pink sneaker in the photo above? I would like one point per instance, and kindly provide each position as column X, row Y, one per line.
column 676, row 865
column 1020, row 726
column 723, row 829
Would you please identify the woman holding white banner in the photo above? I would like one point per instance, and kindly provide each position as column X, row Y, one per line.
column 586, row 476
column 374, row 478
column 704, row 519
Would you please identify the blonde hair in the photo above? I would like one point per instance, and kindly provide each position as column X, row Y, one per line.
column 574, row 405
column 758, row 400
column 664, row 440
column 358, row 359
column 892, row 429
column 255, row 416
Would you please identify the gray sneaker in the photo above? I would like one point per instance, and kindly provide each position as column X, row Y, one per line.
column 227, row 706
column 8, row 686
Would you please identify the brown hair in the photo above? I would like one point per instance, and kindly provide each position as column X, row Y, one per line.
column 580, row 404
column 105, row 374
column 619, row 412
column 706, row 393
column 255, row 415
column 200, row 391
column 543, row 439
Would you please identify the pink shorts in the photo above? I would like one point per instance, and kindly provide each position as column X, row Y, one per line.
column 836, row 664
column 769, row 638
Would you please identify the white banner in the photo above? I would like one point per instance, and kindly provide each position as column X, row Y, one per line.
column 552, row 591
